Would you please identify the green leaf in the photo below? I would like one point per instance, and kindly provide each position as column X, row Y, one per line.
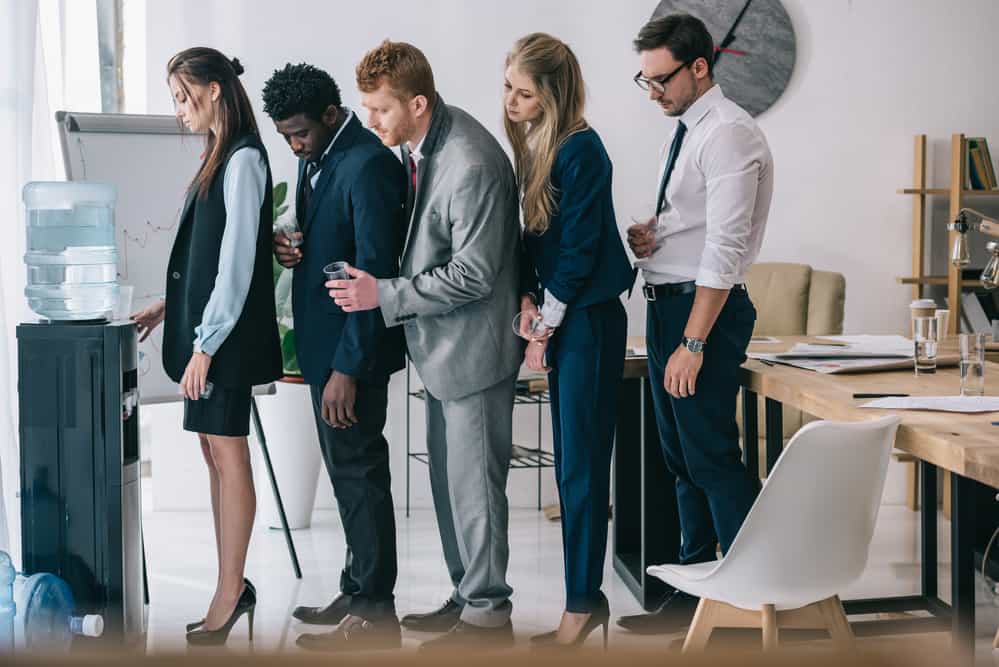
column 288, row 356
column 276, row 270
column 280, row 193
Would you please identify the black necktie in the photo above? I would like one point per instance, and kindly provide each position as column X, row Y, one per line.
column 674, row 150
column 310, row 171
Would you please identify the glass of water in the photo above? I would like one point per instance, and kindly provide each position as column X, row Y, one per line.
column 925, row 337
column 972, row 364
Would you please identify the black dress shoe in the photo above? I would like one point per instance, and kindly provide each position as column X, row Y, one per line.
column 356, row 634
column 675, row 614
column 467, row 637
column 331, row 614
column 439, row 620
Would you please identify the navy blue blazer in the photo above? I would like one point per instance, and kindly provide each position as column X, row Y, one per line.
column 356, row 214
column 580, row 259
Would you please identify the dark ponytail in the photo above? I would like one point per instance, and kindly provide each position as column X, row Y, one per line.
column 201, row 66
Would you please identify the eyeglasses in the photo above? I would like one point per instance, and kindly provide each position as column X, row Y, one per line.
column 658, row 83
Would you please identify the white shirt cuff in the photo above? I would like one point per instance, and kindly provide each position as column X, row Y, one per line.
column 553, row 311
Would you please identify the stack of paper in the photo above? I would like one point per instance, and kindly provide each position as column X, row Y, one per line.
column 846, row 354
column 965, row 404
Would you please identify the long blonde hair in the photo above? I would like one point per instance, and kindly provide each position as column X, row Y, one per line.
column 553, row 68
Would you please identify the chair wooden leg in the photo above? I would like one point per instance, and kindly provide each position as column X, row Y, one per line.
column 769, row 622
column 995, row 642
column 836, row 623
column 700, row 628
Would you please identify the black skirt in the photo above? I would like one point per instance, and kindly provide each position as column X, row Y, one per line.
column 225, row 412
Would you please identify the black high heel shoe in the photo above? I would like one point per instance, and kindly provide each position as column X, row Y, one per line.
column 198, row 624
column 598, row 617
column 245, row 605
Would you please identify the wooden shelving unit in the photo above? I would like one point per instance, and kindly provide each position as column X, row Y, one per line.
column 956, row 194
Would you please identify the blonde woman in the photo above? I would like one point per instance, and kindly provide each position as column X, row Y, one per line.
column 575, row 270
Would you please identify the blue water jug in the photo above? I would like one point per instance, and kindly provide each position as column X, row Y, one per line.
column 7, row 608
column 45, row 618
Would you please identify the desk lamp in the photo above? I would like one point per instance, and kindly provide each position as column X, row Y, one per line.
column 960, row 255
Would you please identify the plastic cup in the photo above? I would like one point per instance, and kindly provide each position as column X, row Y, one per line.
column 922, row 308
column 336, row 271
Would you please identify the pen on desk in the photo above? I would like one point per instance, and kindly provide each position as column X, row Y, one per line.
column 881, row 396
column 766, row 362
column 995, row 423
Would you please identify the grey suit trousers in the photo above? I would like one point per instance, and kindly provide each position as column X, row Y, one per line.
column 469, row 441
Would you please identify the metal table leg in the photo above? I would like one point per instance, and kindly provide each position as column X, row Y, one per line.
column 750, row 432
column 928, row 528
column 774, row 416
column 274, row 487
column 962, row 528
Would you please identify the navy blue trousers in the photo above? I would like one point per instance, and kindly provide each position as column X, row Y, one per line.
column 587, row 359
column 699, row 436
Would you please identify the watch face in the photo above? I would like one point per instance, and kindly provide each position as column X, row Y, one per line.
column 758, row 41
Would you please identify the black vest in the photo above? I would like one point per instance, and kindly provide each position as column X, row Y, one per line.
column 251, row 354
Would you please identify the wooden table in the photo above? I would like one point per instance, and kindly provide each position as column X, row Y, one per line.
column 965, row 445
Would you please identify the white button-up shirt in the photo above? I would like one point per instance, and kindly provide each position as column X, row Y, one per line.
column 717, row 200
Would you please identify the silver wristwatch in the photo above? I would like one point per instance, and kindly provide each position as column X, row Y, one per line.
column 694, row 344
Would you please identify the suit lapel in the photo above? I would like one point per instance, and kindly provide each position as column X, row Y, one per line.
column 335, row 156
column 439, row 125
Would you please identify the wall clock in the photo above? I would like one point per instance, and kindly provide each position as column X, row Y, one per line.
column 754, row 43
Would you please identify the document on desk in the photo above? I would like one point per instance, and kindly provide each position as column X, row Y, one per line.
column 846, row 354
column 966, row 404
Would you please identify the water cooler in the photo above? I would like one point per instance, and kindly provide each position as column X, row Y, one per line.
column 80, row 498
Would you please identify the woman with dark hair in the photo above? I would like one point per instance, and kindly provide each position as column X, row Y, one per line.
column 220, row 333
column 574, row 271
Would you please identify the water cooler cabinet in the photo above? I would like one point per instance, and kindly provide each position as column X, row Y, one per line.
column 81, row 506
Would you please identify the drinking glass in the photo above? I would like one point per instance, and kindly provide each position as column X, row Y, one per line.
column 972, row 364
column 925, row 337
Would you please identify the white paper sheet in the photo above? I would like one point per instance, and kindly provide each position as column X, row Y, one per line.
column 966, row 404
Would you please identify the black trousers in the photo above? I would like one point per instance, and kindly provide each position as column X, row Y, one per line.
column 699, row 436
column 357, row 460
column 587, row 359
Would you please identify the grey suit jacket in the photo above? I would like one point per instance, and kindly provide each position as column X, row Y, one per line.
column 456, row 294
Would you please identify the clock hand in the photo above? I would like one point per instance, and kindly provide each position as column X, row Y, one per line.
column 734, row 52
column 730, row 35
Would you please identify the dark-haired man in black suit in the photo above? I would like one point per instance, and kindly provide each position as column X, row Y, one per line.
column 350, row 207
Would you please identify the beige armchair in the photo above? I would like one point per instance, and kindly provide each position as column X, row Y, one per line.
column 793, row 300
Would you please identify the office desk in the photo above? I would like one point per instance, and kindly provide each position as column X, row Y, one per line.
column 965, row 445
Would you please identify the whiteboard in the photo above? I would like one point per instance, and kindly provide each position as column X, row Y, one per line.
column 150, row 160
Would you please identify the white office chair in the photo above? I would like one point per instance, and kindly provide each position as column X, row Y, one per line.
column 804, row 540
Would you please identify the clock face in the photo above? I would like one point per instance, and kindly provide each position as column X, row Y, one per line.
column 756, row 66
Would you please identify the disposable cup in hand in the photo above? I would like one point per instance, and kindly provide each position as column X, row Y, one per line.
column 529, row 325
column 289, row 226
column 336, row 271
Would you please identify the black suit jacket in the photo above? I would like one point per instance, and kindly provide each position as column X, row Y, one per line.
column 355, row 214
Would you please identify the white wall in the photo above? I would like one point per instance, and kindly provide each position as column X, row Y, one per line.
column 869, row 75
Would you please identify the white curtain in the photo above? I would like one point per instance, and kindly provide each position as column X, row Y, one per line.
column 27, row 154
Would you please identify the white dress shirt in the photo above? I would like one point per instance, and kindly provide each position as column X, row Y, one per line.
column 717, row 200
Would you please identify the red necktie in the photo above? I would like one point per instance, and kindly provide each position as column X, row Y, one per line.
column 412, row 172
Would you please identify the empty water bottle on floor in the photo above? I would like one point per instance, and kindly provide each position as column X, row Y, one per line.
column 46, row 619
column 7, row 608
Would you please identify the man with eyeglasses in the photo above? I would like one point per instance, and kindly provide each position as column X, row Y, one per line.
column 714, row 190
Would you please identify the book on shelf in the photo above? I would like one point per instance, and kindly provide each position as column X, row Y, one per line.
column 980, row 171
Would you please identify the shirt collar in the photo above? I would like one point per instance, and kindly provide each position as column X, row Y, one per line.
column 711, row 97
column 417, row 153
column 343, row 126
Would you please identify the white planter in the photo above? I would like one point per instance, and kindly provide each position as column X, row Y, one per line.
column 293, row 444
